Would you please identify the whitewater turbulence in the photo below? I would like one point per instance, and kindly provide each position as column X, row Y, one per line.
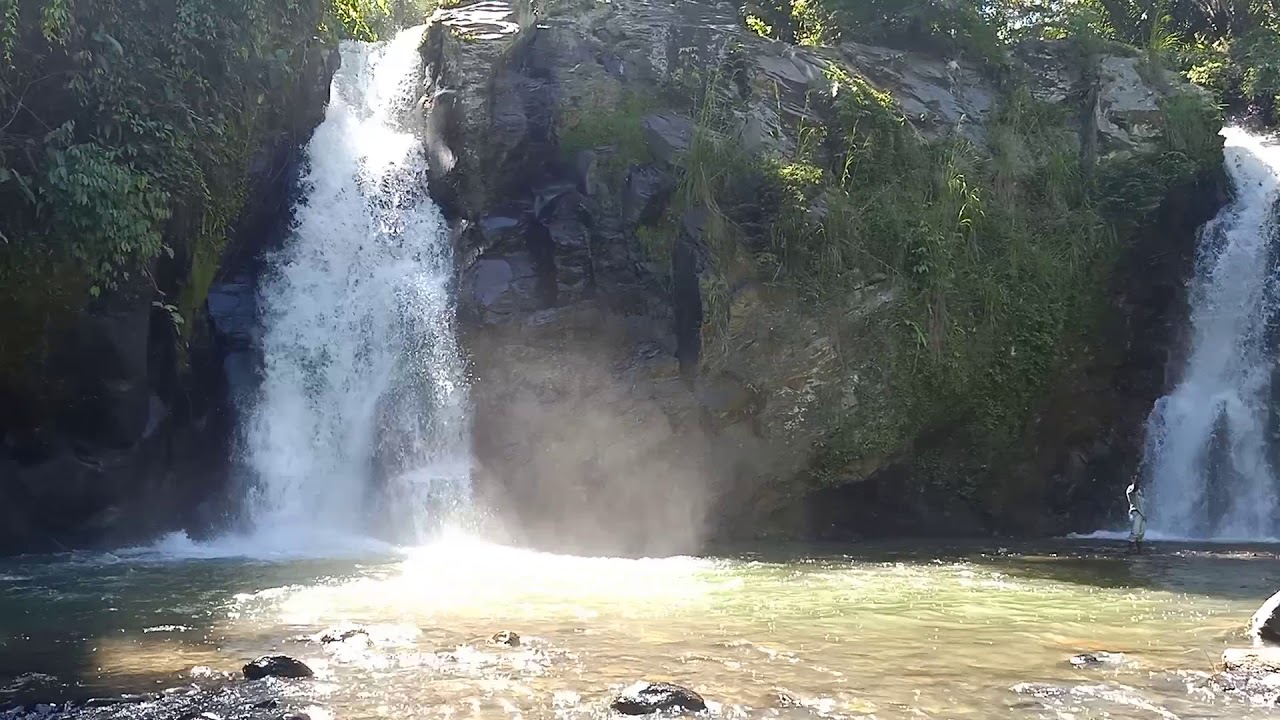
column 1211, row 442
column 360, row 424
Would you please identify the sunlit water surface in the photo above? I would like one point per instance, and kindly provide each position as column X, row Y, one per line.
column 888, row 632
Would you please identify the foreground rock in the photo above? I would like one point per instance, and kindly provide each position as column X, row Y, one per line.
column 1264, row 626
column 646, row 698
column 230, row 701
column 1252, row 660
column 281, row 666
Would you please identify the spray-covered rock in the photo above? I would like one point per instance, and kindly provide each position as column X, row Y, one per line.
column 646, row 698
column 281, row 666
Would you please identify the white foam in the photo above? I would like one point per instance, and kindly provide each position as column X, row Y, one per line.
column 264, row 544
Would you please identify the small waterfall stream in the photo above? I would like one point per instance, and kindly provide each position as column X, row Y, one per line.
column 1209, row 457
column 360, row 424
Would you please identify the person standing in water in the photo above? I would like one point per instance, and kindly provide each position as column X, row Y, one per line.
column 1137, row 511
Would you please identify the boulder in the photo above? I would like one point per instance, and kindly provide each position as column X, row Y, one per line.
column 646, row 698
column 281, row 666
column 506, row 637
column 1264, row 626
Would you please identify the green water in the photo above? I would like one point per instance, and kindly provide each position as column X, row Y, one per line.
column 883, row 632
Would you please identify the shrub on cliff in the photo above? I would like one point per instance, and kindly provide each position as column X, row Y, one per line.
column 127, row 128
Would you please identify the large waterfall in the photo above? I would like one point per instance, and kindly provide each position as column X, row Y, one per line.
column 360, row 425
column 1210, row 443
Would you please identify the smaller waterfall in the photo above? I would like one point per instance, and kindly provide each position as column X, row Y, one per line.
column 360, row 425
column 1209, row 442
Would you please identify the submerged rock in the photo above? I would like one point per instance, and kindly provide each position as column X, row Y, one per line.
column 338, row 634
column 1264, row 626
column 1098, row 659
column 784, row 699
column 645, row 698
column 506, row 637
column 126, row 699
column 281, row 666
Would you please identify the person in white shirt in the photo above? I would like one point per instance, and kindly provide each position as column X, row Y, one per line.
column 1137, row 512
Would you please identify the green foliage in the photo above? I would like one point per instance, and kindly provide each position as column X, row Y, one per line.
column 102, row 213
column 362, row 19
column 376, row 19
column 126, row 132
column 118, row 112
column 994, row 256
column 609, row 122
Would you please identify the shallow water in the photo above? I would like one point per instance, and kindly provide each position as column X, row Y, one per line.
column 876, row 631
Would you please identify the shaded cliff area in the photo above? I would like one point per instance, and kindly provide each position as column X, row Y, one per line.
column 143, row 146
column 721, row 286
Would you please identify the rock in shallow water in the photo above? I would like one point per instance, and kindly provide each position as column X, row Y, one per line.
column 1252, row 660
column 276, row 666
column 506, row 637
column 338, row 634
column 1098, row 659
column 645, row 698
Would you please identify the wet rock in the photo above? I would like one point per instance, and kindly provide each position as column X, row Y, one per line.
column 128, row 699
column 646, row 698
column 784, row 699
column 1084, row 660
column 506, row 637
column 338, row 634
column 252, row 700
column 1040, row 690
column 644, row 195
column 1253, row 688
column 668, row 134
column 1258, row 660
column 281, row 666
column 1264, row 626
column 1088, row 660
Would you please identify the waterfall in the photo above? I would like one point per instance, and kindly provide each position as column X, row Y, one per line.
column 360, row 424
column 1210, row 442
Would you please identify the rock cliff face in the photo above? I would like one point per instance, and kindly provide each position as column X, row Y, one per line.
column 609, row 405
column 139, row 443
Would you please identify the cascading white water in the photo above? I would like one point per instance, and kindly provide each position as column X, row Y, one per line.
column 360, row 424
column 1208, row 442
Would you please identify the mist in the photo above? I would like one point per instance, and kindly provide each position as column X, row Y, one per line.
column 592, row 447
